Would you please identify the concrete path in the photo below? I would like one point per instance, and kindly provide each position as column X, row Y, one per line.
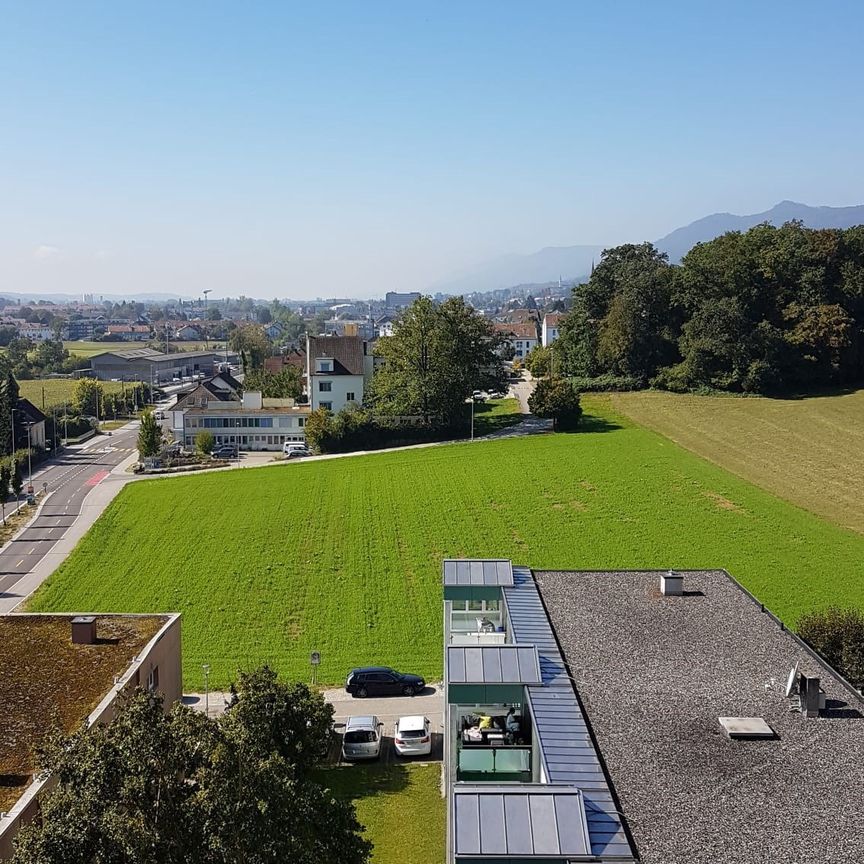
column 388, row 709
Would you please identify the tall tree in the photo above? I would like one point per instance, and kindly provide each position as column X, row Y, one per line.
column 149, row 435
column 437, row 356
column 87, row 397
column 251, row 344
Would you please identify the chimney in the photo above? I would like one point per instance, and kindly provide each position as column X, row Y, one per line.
column 84, row 630
column 672, row 584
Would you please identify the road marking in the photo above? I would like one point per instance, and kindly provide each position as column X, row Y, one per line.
column 96, row 479
column 20, row 563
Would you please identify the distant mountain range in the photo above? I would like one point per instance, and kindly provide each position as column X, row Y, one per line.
column 682, row 240
column 574, row 262
column 510, row 270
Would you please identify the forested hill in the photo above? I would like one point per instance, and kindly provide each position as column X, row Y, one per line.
column 677, row 244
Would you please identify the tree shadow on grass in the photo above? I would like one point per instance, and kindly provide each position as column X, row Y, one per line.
column 350, row 782
column 593, row 423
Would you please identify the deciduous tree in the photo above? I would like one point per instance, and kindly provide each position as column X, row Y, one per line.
column 149, row 435
column 156, row 788
column 556, row 399
column 205, row 442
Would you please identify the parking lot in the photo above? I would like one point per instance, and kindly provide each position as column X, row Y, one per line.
column 429, row 703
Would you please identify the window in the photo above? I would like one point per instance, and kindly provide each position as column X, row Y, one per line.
column 325, row 386
column 266, row 422
column 323, row 365
column 301, row 421
column 327, row 406
column 349, row 397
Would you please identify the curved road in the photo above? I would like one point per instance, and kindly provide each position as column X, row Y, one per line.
column 69, row 477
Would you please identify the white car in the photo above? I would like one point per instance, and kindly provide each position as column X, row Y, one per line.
column 295, row 451
column 413, row 736
column 362, row 738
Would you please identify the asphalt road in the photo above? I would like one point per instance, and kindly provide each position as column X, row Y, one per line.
column 69, row 479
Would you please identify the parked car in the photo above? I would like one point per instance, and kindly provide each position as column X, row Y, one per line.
column 295, row 451
column 479, row 396
column 382, row 681
column 362, row 738
column 413, row 736
column 226, row 451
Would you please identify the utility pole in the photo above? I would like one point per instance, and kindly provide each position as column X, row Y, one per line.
column 206, row 668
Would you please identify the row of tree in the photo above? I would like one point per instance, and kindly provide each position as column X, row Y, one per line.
column 768, row 310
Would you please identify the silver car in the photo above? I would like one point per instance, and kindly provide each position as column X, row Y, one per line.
column 362, row 738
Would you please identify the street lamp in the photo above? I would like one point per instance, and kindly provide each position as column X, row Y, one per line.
column 471, row 400
column 206, row 668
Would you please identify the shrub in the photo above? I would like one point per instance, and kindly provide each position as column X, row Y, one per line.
column 838, row 635
column 205, row 442
column 608, row 383
column 556, row 399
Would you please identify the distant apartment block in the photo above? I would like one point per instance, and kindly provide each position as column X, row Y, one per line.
column 397, row 300
column 70, row 669
column 35, row 332
column 551, row 327
column 666, row 718
column 338, row 371
column 253, row 423
column 129, row 332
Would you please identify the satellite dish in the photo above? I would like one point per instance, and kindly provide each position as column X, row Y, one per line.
column 792, row 680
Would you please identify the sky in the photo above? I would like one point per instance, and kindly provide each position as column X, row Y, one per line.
column 292, row 149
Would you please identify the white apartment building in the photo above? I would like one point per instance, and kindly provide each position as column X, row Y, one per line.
column 523, row 338
column 551, row 324
column 338, row 370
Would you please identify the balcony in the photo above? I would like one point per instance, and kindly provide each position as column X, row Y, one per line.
column 494, row 764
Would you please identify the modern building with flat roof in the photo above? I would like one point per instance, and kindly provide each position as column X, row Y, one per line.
column 676, row 721
column 252, row 423
column 67, row 670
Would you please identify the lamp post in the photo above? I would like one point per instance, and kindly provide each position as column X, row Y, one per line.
column 29, row 461
column 471, row 400
column 206, row 668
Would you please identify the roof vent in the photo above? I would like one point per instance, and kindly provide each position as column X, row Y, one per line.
column 746, row 727
column 84, row 630
column 811, row 696
column 672, row 584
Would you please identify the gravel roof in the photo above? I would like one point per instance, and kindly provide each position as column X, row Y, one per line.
column 655, row 673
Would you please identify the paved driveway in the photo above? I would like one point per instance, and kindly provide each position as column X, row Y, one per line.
column 429, row 703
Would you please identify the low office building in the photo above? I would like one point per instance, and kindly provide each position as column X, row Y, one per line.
column 253, row 423
column 673, row 720
column 223, row 387
column 146, row 364
column 69, row 670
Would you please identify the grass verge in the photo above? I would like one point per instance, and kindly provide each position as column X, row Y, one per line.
column 400, row 806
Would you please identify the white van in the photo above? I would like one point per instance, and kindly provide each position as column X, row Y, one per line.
column 295, row 450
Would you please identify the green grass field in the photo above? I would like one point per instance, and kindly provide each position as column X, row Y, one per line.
column 88, row 349
column 56, row 391
column 343, row 556
column 808, row 451
column 495, row 414
column 399, row 805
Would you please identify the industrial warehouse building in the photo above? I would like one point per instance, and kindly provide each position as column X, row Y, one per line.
column 662, row 718
column 146, row 364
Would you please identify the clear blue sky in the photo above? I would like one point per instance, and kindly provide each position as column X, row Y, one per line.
column 304, row 149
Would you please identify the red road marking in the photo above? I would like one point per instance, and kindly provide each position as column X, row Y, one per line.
column 97, row 478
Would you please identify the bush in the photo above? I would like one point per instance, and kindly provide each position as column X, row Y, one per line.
column 205, row 442
column 608, row 383
column 556, row 399
column 838, row 635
